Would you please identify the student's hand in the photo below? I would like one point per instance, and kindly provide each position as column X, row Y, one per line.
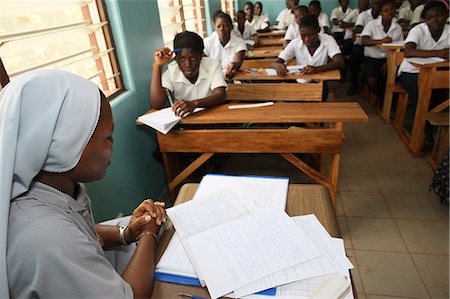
column 183, row 108
column 444, row 53
column 386, row 40
column 231, row 70
column 309, row 69
column 280, row 68
column 147, row 212
column 162, row 56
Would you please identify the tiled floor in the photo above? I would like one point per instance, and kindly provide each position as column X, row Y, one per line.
column 396, row 233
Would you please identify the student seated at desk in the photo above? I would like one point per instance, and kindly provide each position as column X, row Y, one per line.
column 258, row 11
column 312, row 49
column 293, row 30
column 256, row 22
column 382, row 30
column 337, row 16
column 243, row 29
column 316, row 10
column 59, row 130
column 288, row 17
column 429, row 39
column 194, row 80
column 228, row 48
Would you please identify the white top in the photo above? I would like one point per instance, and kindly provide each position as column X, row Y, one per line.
column 350, row 18
column 417, row 13
column 328, row 48
column 323, row 21
column 249, row 31
column 209, row 78
column 287, row 19
column 339, row 15
column 258, row 23
column 405, row 13
column 264, row 16
column 214, row 49
column 292, row 32
column 374, row 29
column 280, row 15
column 421, row 36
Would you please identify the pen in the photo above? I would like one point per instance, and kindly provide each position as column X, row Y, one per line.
column 176, row 50
column 190, row 296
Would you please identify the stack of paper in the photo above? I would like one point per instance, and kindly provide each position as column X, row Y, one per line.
column 292, row 69
column 162, row 120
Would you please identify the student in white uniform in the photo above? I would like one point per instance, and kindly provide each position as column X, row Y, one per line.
column 429, row 39
column 256, row 22
column 59, row 129
column 243, row 29
column 337, row 16
column 288, row 18
column 194, row 80
column 357, row 56
column 258, row 11
column 286, row 10
column 316, row 10
column 228, row 48
column 293, row 30
column 382, row 30
column 318, row 52
column 417, row 7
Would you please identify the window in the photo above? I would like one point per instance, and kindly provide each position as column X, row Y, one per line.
column 228, row 7
column 181, row 15
column 69, row 35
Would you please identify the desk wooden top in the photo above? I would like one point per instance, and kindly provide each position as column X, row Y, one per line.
column 431, row 65
column 302, row 200
column 264, row 52
column 274, row 33
column 262, row 75
column 281, row 112
column 392, row 46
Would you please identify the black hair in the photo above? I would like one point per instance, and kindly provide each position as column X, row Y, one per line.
column 249, row 3
column 260, row 4
column 190, row 40
column 384, row 2
column 240, row 12
column 315, row 3
column 309, row 21
column 434, row 4
column 301, row 7
column 223, row 16
column 215, row 14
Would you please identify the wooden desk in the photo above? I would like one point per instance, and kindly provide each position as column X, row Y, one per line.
column 264, row 52
column 262, row 75
column 392, row 62
column 429, row 78
column 270, row 41
column 274, row 33
column 302, row 199
column 282, row 140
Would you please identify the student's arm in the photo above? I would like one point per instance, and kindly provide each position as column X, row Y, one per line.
column 358, row 28
column 412, row 51
column 158, row 94
column 285, row 55
column 183, row 108
column 367, row 41
column 346, row 25
column 234, row 67
column 337, row 62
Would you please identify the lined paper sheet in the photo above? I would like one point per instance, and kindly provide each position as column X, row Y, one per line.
column 266, row 193
column 246, row 249
column 330, row 260
column 162, row 120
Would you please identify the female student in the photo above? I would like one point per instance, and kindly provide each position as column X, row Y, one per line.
column 256, row 22
column 288, row 17
column 258, row 11
column 58, row 128
column 224, row 46
column 316, row 10
column 317, row 51
column 429, row 39
column 293, row 30
column 382, row 30
column 337, row 16
column 194, row 80
column 243, row 29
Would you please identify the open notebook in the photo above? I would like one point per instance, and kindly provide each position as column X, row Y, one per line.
column 162, row 120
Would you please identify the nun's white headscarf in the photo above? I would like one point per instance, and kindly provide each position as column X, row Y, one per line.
column 46, row 119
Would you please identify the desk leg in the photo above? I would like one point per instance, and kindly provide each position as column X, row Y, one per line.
column 390, row 80
column 423, row 103
column 188, row 170
column 312, row 173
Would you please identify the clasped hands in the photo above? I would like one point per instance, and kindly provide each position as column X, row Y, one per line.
column 282, row 70
column 147, row 217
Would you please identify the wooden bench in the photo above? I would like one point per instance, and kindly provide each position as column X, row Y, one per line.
column 440, row 119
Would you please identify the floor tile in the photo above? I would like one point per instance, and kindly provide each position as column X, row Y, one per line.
column 361, row 295
column 385, row 146
column 351, row 180
column 410, row 205
column 355, row 272
column 375, row 234
column 364, row 204
column 391, row 181
column 424, row 176
column 344, row 231
column 390, row 274
column 338, row 207
column 424, row 236
column 369, row 296
column 393, row 162
column 351, row 161
column 434, row 271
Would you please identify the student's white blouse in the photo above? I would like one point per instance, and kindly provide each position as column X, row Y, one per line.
column 374, row 30
column 292, row 32
column 417, row 14
column 350, row 18
column 258, row 23
column 249, row 31
column 323, row 21
column 280, row 15
column 328, row 48
column 214, row 49
column 363, row 19
column 287, row 19
column 209, row 78
column 421, row 36
column 339, row 15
